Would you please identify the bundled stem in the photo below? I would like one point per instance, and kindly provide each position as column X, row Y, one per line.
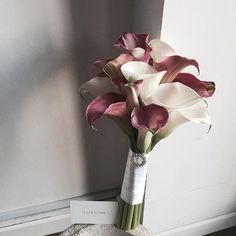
column 129, row 216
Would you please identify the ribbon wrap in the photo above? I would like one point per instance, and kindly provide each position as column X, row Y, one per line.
column 134, row 181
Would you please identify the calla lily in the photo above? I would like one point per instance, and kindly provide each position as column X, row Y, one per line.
column 99, row 105
column 173, row 65
column 165, row 59
column 107, row 103
column 135, row 45
column 119, row 113
column 148, row 120
column 112, row 67
column 147, row 101
column 151, row 117
column 101, row 63
column 203, row 88
column 195, row 113
column 160, row 50
column 173, row 96
column 136, row 70
column 98, row 86
column 177, row 97
column 132, row 92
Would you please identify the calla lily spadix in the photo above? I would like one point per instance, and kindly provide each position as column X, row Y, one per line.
column 147, row 93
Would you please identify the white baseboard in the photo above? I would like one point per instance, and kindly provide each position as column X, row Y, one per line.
column 41, row 227
column 59, row 222
column 44, row 219
column 203, row 227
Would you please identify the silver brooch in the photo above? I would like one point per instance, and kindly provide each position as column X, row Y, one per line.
column 138, row 159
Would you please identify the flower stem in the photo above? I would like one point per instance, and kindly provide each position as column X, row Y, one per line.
column 124, row 216
column 135, row 217
column 140, row 208
column 120, row 212
column 129, row 217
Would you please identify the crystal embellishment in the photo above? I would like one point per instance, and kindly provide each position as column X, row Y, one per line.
column 138, row 159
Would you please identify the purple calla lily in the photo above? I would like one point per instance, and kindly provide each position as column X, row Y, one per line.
column 135, row 45
column 98, row 106
column 146, row 96
column 203, row 88
column 112, row 66
column 151, row 117
column 120, row 114
column 173, row 65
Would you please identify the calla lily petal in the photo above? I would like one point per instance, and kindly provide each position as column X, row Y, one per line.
column 138, row 52
column 112, row 68
column 151, row 117
column 203, row 88
column 119, row 80
column 101, row 63
column 135, row 70
column 195, row 113
column 136, row 45
column 160, row 50
column 173, row 95
column 150, row 84
column 119, row 113
column 117, row 110
column 175, row 120
column 99, row 105
column 210, row 86
column 98, row 86
column 173, row 65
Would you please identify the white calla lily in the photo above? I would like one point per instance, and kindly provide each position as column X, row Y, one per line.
column 160, row 50
column 135, row 70
column 173, row 96
column 98, row 86
column 195, row 113
column 182, row 102
column 150, row 84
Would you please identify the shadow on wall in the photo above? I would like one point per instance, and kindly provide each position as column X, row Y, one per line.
column 97, row 25
column 35, row 102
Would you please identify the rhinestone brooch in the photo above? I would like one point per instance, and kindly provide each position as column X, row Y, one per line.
column 138, row 159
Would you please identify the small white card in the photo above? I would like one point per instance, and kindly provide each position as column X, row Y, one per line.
column 93, row 212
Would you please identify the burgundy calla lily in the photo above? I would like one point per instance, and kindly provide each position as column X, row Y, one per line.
column 98, row 106
column 101, row 63
column 119, row 113
column 112, row 66
column 203, row 88
column 135, row 45
column 173, row 65
column 151, row 117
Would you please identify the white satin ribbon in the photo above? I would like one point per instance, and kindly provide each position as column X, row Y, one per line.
column 133, row 186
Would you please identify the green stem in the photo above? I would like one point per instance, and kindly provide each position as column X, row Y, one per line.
column 120, row 212
column 135, row 217
column 129, row 217
column 124, row 215
column 140, row 207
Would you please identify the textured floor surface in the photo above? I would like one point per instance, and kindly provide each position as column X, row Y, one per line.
column 102, row 230
column 226, row 232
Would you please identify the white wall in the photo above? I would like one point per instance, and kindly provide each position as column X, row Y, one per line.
column 192, row 174
column 48, row 151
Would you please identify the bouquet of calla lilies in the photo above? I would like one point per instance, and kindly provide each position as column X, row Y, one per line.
column 145, row 91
